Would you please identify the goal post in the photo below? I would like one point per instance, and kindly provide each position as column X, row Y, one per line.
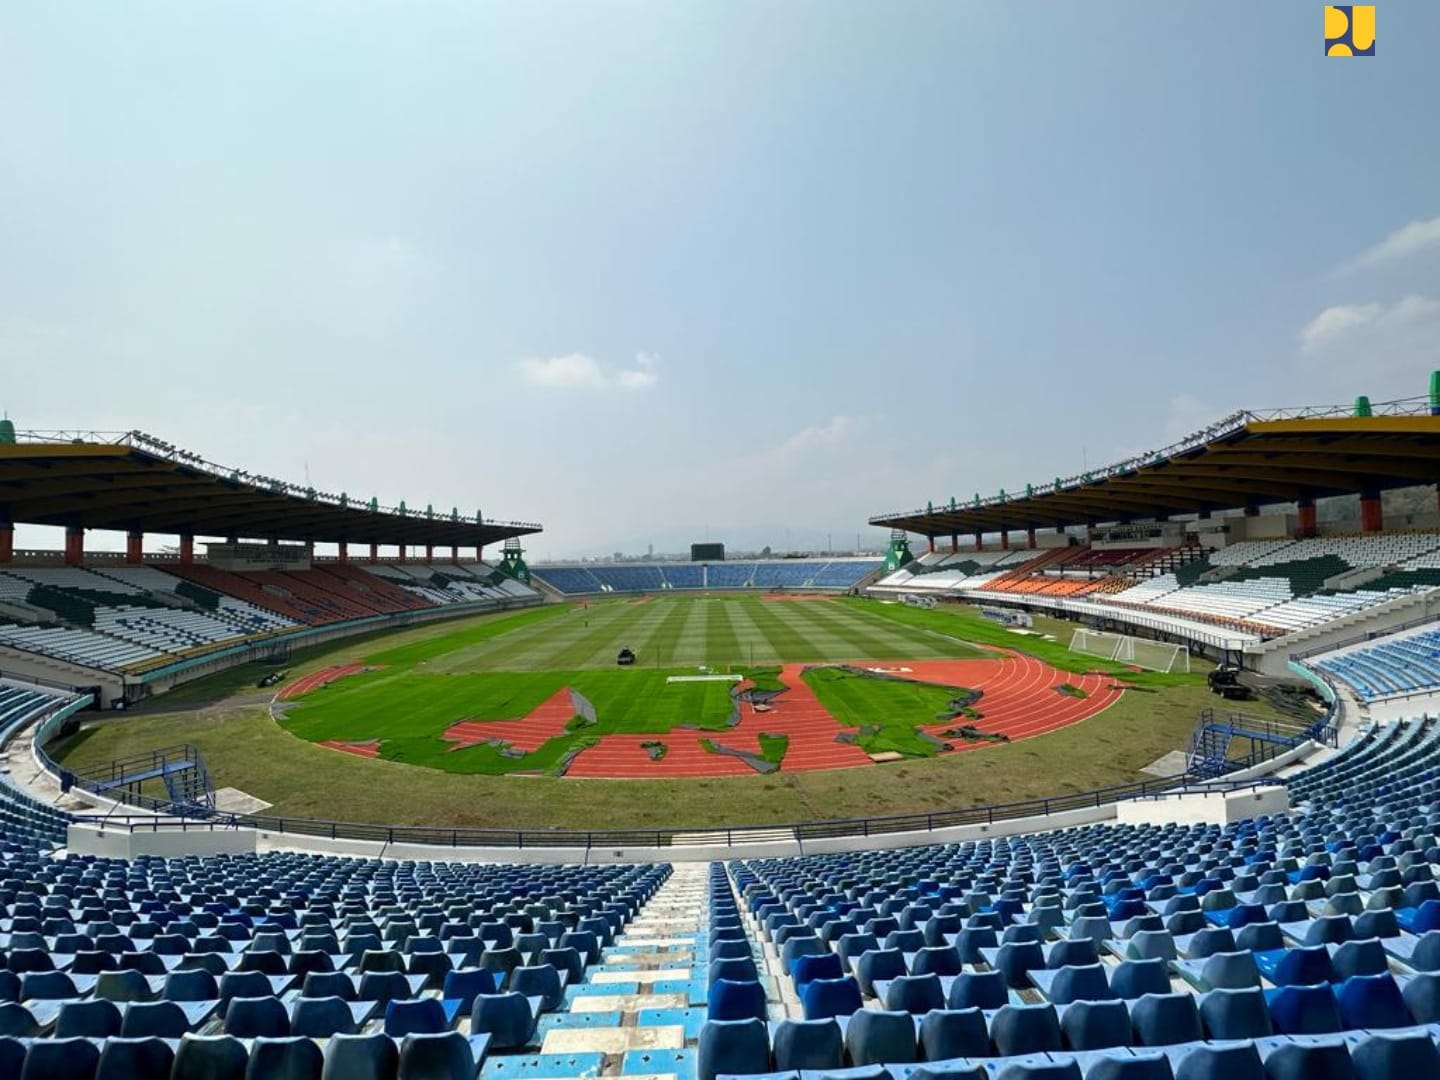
column 1124, row 649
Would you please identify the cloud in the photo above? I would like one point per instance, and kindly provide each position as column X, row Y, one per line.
column 818, row 436
column 1336, row 321
column 643, row 374
column 1401, row 244
column 1390, row 346
column 577, row 371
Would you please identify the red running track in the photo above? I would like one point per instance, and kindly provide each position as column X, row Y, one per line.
column 364, row 749
column 317, row 679
column 1021, row 700
column 532, row 731
column 797, row 713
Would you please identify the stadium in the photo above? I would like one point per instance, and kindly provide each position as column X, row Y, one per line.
column 432, row 645
column 1028, row 680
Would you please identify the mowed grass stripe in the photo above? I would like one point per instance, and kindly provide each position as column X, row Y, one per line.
column 789, row 643
column 692, row 646
column 663, row 645
column 882, row 640
column 754, row 646
column 721, row 641
column 638, row 626
column 855, row 637
column 826, row 642
column 542, row 649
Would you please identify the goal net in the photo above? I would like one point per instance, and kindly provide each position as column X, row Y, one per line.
column 1123, row 649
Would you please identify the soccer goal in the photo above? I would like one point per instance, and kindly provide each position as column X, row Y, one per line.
column 1124, row 649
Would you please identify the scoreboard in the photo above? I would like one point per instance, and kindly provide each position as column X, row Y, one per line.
column 707, row 552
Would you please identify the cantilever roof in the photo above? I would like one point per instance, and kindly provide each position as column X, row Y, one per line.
column 134, row 482
column 1247, row 459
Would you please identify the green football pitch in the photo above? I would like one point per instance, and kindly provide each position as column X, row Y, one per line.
column 230, row 722
column 675, row 632
column 504, row 668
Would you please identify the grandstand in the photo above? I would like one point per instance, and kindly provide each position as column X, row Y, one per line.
column 1214, row 541
column 129, row 628
column 1399, row 665
column 589, row 579
column 1295, row 944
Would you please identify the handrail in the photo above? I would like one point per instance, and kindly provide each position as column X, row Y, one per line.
column 723, row 836
column 667, row 837
column 1360, row 639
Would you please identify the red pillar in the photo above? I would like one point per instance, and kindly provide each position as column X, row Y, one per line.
column 7, row 543
column 978, row 539
column 1306, row 525
column 400, row 558
column 954, row 543
column 1004, row 539
column 344, row 555
column 455, row 553
column 74, row 545
column 930, row 544
column 1252, row 511
column 187, row 549
column 374, row 554
column 429, row 553
column 134, row 544
column 1030, row 538
column 1371, row 519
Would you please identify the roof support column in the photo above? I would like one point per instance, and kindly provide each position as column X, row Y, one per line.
column 74, row 545
column 7, row 542
column 1030, row 537
column 954, row 543
column 455, row 553
column 1004, row 538
column 1305, row 525
column 187, row 548
column 134, row 547
column 1251, row 510
column 1372, row 520
column 344, row 554
column 374, row 553
column 979, row 540
column 930, row 544
column 400, row 558
column 429, row 553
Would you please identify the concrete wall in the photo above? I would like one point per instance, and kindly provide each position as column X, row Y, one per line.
column 24, row 665
column 87, row 839
column 778, row 848
column 1210, row 808
column 1272, row 657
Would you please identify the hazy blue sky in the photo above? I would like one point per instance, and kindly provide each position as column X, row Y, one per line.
column 652, row 271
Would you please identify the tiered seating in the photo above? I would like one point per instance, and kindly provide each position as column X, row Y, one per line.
column 575, row 580
column 124, row 602
column 1300, row 945
column 684, row 575
column 314, row 597
column 78, row 646
column 1398, row 665
column 26, row 824
column 1278, row 586
column 953, row 573
column 842, row 573
column 246, row 618
column 659, row 577
column 450, row 583
column 373, row 592
column 289, row 965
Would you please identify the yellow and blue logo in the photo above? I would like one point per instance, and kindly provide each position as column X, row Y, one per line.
column 1350, row 30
